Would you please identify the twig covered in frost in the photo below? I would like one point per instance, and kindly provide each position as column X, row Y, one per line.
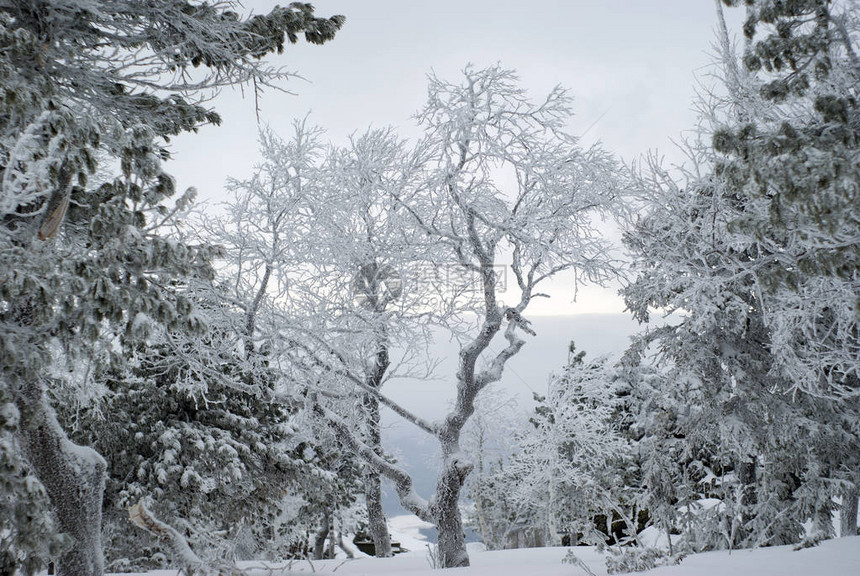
column 141, row 517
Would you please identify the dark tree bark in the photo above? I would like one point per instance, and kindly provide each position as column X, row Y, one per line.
column 377, row 523
column 445, row 508
column 74, row 478
column 848, row 522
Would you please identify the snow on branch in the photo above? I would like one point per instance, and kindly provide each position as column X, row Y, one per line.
column 402, row 480
column 493, row 372
column 141, row 517
column 316, row 360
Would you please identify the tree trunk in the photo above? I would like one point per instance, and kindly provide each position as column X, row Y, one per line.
column 446, row 510
column 347, row 549
column 848, row 521
column 747, row 477
column 143, row 518
column 74, row 478
column 321, row 535
column 483, row 525
column 377, row 524
column 551, row 530
column 748, row 499
column 332, row 536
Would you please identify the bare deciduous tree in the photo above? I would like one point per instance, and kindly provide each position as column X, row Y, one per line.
column 317, row 257
column 506, row 188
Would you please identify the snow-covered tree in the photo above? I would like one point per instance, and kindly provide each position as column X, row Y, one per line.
column 373, row 247
column 722, row 394
column 793, row 151
column 567, row 467
column 83, row 266
column 321, row 261
column 207, row 445
column 790, row 153
column 731, row 468
column 712, row 250
column 505, row 186
column 28, row 535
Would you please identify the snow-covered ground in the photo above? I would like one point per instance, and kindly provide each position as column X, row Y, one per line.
column 406, row 529
column 838, row 557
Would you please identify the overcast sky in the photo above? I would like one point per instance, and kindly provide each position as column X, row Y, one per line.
column 631, row 66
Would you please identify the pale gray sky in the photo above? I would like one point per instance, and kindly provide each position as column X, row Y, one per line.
column 631, row 66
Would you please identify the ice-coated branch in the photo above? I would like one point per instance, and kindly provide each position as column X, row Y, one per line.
column 493, row 373
column 396, row 408
column 468, row 385
column 141, row 517
column 343, row 371
column 251, row 313
column 428, row 427
column 402, row 480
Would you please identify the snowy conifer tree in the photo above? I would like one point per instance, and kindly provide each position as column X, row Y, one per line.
column 790, row 152
column 205, row 442
column 83, row 266
column 703, row 250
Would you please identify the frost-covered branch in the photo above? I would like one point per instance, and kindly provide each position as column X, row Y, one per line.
column 402, row 480
column 141, row 517
column 493, row 373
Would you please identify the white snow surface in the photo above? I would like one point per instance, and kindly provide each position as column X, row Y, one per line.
column 406, row 530
column 837, row 557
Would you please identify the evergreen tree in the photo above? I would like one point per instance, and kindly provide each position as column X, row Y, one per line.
column 791, row 152
column 219, row 458
column 720, row 251
column 83, row 266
